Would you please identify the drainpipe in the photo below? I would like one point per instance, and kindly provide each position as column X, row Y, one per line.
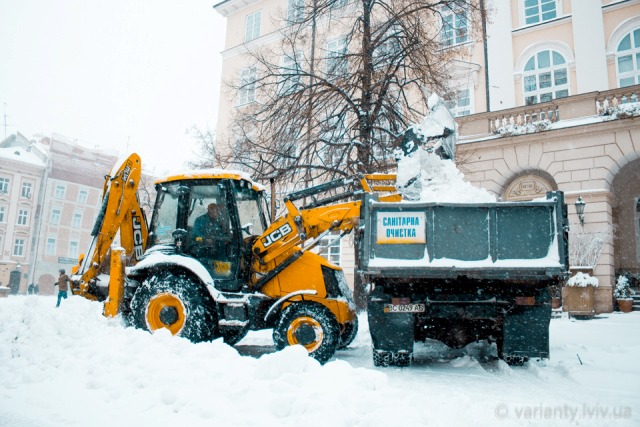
column 483, row 17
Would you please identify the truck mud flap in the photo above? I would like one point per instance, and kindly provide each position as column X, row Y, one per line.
column 526, row 332
column 391, row 332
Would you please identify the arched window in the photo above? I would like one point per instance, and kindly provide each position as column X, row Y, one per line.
column 628, row 59
column 545, row 77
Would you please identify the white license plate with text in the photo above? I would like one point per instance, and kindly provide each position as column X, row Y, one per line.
column 404, row 308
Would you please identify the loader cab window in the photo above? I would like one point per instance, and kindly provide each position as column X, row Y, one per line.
column 213, row 231
column 250, row 212
column 165, row 215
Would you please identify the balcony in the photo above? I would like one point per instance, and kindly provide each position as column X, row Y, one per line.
column 597, row 106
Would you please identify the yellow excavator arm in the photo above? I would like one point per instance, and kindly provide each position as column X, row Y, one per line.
column 120, row 212
column 310, row 223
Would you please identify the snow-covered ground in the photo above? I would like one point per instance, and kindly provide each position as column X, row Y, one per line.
column 73, row 367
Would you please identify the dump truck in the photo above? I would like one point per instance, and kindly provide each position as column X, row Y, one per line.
column 209, row 264
column 462, row 272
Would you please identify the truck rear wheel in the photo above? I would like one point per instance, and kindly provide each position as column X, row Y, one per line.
column 177, row 303
column 392, row 358
column 311, row 325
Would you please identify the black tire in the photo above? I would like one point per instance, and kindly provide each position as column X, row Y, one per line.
column 381, row 358
column 311, row 325
column 348, row 333
column 175, row 302
column 516, row 360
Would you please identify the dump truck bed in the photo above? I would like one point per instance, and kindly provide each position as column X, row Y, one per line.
column 501, row 240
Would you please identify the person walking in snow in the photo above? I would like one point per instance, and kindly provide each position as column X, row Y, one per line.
column 63, row 286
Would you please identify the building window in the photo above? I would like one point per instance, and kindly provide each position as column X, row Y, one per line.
column 2, row 214
column 329, row 247
column 51, row 246
column 536, row 11
column 336, row 57
column 4, row 185
column 389, row 49
column 55, row 216
column 82, row 197
column 60, row 192
column 76, row 221
column 295, row 11
column 26, row 190
column 545, row 77
column 459, row 102
column 290, row 74
column 73, row 249
column 23, row 216
column 247, row 91
column 628, row 59
column 252, row 29
column 18, row 247
column 454, row 25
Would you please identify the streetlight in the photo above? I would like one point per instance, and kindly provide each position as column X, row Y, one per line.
column 579, row 204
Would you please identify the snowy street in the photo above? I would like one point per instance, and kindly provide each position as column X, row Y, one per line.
column 73, row 367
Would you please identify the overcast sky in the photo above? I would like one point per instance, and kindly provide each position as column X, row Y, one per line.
column 112, row 73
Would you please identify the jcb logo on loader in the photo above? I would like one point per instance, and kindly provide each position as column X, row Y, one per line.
column 276, row 235
column 126, row 172
column 137, row 237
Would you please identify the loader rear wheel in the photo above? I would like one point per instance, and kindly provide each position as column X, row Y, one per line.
column 348, row 333
column 311, row 325
column 177, row 303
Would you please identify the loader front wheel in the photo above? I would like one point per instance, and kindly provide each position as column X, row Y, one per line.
column 311, row 325
column 348, row 333
column 175, row 302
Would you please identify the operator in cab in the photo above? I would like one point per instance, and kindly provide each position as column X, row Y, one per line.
column 211, row 225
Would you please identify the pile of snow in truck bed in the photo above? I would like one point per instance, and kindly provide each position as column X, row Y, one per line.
column 72, row 367
column 440, row 180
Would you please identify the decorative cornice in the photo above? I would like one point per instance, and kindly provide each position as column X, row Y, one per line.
column 229, row 7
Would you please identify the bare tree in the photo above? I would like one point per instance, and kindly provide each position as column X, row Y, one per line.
column 333, row 95
column 206, row 147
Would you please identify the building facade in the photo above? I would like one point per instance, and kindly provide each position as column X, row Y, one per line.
column 22, row 167
column 50, row 194
column 544, row 102
column 74, row 183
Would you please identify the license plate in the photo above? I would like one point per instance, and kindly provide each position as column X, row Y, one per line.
column 404, row 308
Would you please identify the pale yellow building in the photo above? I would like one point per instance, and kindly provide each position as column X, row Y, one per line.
column 544, row 102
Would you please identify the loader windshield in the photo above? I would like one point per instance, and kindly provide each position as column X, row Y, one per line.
column 165, row 216
column 251, row 216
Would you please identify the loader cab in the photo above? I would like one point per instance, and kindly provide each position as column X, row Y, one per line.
column 213, row 220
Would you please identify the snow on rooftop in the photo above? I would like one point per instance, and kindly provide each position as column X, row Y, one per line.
column 22, row 155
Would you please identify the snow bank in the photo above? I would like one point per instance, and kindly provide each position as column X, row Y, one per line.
column 73, row 367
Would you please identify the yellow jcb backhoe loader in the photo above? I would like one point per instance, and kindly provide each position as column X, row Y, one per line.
column 210, row 266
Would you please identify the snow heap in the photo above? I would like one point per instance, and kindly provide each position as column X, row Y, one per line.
column 424, row 172
column 71, row 366
column 582, row 280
